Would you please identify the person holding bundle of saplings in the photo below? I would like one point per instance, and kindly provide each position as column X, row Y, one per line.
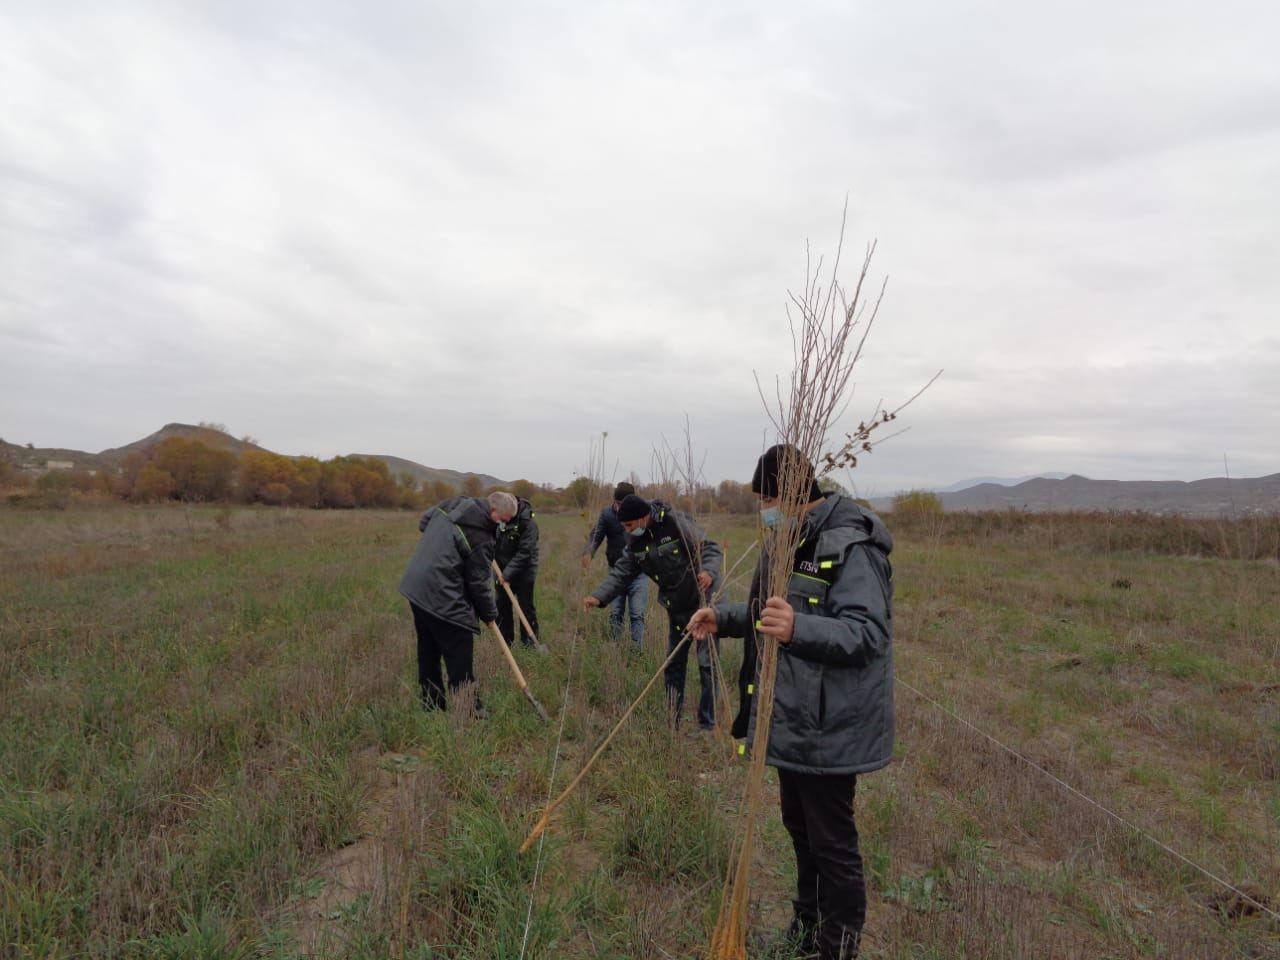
column 833, row 693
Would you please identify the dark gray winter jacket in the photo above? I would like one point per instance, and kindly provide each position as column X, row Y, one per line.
column 516, row 550
column 833, row 698
column 671, row 552
column 608, row 530
column 450, row 574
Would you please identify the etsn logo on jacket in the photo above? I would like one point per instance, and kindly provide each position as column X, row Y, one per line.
column 808, row 566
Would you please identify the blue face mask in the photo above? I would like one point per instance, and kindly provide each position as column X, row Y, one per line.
column 638, row 532
column 771, row 516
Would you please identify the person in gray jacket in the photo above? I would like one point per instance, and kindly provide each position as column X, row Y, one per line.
column 833, row 696
column 449, row 586
column 672, row 551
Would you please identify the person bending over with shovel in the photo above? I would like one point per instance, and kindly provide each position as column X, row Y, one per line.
column 672, row 551
column 833, row 693
column 449, row 586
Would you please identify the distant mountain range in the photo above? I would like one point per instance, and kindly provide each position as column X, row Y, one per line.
column 1213, row 497
column 40, row 458
column 1216, row 496
column 1000, row 481
column 416, row 470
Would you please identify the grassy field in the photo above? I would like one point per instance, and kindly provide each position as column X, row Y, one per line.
column 210, row 746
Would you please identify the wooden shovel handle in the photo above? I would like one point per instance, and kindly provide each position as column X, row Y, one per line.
column 515, row 672
column 515, row 604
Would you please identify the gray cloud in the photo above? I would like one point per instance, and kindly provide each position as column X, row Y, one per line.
column 478, row 236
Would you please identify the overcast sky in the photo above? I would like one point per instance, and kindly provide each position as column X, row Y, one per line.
column 476, row 235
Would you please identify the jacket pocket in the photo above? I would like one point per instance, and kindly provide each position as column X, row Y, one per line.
column 671, row 564
column 806, row 594
column 796, row 699
column 842, row 691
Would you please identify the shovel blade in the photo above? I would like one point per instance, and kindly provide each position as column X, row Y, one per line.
column 542, row 714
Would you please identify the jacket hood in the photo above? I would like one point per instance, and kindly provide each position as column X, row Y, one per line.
column 841, row 511
column 657, row 508
column 471, row 512
column 524, row 509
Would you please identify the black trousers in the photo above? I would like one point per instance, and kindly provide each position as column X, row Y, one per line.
column 831, row 894
column 507, row 619
column 441, row 642
column 673, row 676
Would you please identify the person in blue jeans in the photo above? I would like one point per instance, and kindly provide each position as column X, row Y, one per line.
column 635, row 596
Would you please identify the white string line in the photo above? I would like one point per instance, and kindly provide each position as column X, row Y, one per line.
column 1087, row 799
column 551, row 780
column 555, row 762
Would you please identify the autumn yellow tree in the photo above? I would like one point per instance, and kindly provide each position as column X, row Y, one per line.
column 200, row 472
column 442, row 490
column 524, row 489
column 152, row 484
column 268, row 478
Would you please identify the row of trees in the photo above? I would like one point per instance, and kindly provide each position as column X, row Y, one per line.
column 182, row 469
column 189, row 470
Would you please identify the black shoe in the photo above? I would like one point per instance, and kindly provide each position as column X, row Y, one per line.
column 794, row 944
column 803, row 936
column 845, row 947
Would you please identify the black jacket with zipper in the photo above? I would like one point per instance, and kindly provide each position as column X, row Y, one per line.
column 608, row 530
column 516, row 549
column 671, row 552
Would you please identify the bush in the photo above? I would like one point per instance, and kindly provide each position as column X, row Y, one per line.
column 53, row 480
column 917, row 503
column 40, row 499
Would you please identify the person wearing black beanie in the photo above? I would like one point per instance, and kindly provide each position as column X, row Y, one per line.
column 764, row 482
column 633, row 602
column 832, row 715
column 666, row 546
column 632, row 508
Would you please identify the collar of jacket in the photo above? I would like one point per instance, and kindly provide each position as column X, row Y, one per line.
column 817, row 518
column 657, row 514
